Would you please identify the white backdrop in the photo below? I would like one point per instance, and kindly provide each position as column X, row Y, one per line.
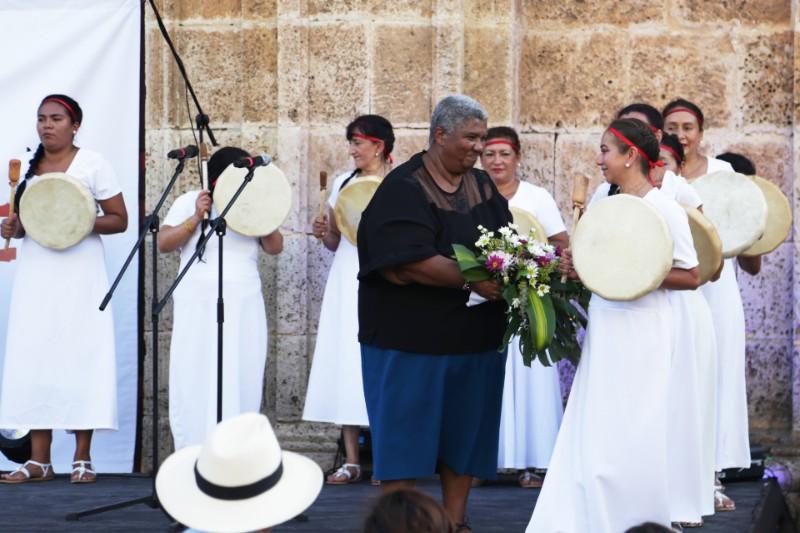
column 89, row 50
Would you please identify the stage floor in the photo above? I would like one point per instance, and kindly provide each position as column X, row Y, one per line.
column 496, row 507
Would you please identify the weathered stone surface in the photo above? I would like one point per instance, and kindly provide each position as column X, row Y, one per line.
column 338, row 73
column 401, row 8
column 319, row 264
column 568, row 83
column 291, row 288
column 768, row 83
column 291, row 376
column 488, row 70
column 291, row 143
column 259, row 9
column 203, row 9
column 335, row 7
column 402, row 73
column 408, row 143
column 665, row 67
column 769, row 374
column 771, row 154
column 575, row 155
column 538, row 160
column 260, row 62
column 546, row 14
column 155, row 64
column 293, row 64
column 448, row 65
column 767, row 297
column 745, row 11
column 488, row 10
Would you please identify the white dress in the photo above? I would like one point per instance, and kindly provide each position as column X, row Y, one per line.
column 193, row 350
column 532, row 409
column 609, row 469
column 60, row 368
column 335, row 387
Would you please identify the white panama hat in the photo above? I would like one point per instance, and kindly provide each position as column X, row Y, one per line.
column 239, row 480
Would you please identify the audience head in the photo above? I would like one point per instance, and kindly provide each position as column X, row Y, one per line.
column 407, row 510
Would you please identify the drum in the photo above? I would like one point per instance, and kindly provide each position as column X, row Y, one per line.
column 622, row 248
column 779, row 219
column 351, row 202
column 706, row 243
column 57, row 211
column 526, row 222
column 736, row 206
column 262, row 206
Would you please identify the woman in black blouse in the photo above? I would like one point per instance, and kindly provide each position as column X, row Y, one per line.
column 433, row 374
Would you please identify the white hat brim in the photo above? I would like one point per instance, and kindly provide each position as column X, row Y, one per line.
column 178, row 493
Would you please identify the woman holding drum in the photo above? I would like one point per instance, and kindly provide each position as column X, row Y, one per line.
column 193, row 349
column 532, row 405
column 335, row 391
column 609, row 466
column 59, row 368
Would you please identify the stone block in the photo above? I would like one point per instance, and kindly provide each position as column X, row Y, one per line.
column 571, row 13
column 575, row 155
column 259, row 9
column 292, row 147
column 327, row 151
column 409, row 142
column 293, row 64
column 769, row 385
column 203, row 9
column 291, row 366
column 577, row 82
column 213, row 61
column 334, row 7
column 319, row 264
column 700, row 68
column 155, row 64
column 258, row 139
column 488, row 70
column 402, row 73
column 260, row 84
column 488, row 10
column 767, row 298
column 747, row 12
column 291, row 286
column 772, row 157
column 767, row 87
column 338, row 74
column 401, row 8
column 448, row 63
column 538, row 160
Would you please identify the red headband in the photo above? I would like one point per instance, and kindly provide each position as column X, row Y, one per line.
column 675, row 154
column 63, row 103
column 652, row 128
column 502, row 140
column 685, row 110
column 388, row 157
column 621, row 137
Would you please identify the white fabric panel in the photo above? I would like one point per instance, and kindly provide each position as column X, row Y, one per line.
column 87, row 49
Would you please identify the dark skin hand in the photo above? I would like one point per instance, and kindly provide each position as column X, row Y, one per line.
column 439, row 271
column 751, row 265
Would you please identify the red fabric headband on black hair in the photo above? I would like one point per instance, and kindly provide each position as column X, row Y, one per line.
column 63, row 103
column 388, row 157
column 685, row 110
column 502, row 140
column 650, row 163
column 671, row 150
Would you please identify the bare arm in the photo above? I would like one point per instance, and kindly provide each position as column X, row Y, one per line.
column 272, row 243
column 114, row 218
column 170, row 238
column 681, row 279
column 439, row 271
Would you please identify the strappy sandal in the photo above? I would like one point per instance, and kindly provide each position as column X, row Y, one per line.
column 722, row 502
column 529, row 480
column 344, row 475
column 691, row 525
column 46, row 468
column 82, row 469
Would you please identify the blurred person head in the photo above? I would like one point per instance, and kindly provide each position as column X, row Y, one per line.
column 407, row 510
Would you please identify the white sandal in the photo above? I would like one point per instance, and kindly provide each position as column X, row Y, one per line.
column 343, row 476
column 47, row 473
column 82, row 469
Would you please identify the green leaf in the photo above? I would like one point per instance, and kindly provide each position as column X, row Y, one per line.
column 465, row 257
column 542, row 320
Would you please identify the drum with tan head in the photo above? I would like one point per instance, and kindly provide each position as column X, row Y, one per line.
column 526, row 222
column 351, row 202
column 707, row 243
column 622, row 248
column 736, row 206
column 57, row 211
column 263, row 205
column 779, row 219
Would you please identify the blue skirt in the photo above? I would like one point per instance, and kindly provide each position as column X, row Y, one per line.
column 424, row 409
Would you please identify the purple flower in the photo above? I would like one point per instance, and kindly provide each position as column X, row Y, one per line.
column 495, row 262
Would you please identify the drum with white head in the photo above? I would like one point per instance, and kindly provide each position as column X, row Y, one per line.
column 526, row 222
column 622, row 248
column 779, row 219
column 57, row 211
column 351, row 202
column 707, row 243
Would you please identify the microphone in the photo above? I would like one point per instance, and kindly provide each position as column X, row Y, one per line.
column 252, row 162
column 183, row 153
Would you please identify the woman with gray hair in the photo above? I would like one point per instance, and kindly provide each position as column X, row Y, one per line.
column 433, row 375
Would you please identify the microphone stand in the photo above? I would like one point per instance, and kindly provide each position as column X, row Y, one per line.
column 151, row 226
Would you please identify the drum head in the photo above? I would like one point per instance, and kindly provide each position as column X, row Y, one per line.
column 706, row 243
column 736, row 206
column 526, row 222
column 351, row 202
column 263, row 205
column 57, row 211
column 622, row 248
column 779, row 219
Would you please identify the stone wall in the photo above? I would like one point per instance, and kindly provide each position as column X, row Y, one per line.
column 284, row 77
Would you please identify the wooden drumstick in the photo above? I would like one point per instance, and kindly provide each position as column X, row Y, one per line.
column 323, row 191
column 580, row 186
column 13, row 179
column 204, row 173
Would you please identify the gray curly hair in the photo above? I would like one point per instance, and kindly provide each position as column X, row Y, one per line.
column 452, row 111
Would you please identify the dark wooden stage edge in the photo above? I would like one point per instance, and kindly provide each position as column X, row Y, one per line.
column 495, row 507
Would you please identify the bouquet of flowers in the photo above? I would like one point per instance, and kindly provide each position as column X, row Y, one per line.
column 544, row 313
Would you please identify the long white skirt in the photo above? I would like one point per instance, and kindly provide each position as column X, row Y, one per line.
column 335, row 387
column 193, row 356
column 531, row 412
column 733, row 441
column 608, row 471
column 60, row 367
column 692, row 396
